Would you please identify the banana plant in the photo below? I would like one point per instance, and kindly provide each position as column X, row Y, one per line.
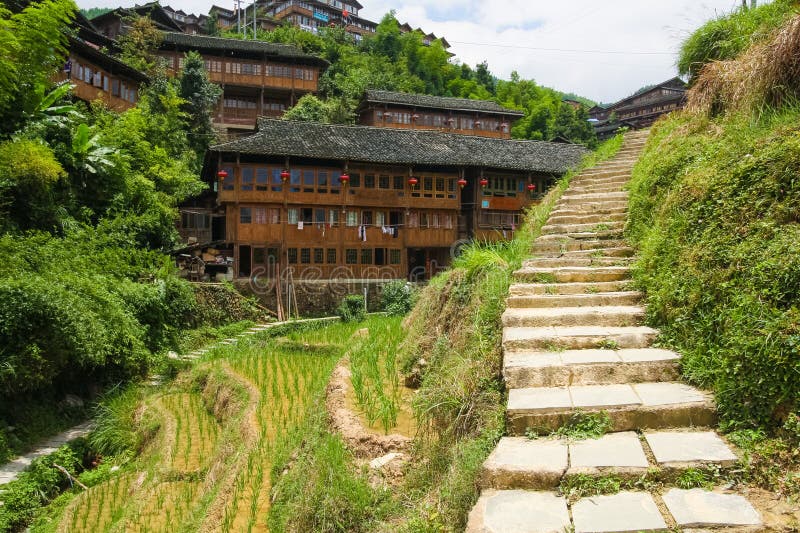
column 90, row 155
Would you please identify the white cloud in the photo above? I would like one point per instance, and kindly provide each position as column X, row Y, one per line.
column 478, row 31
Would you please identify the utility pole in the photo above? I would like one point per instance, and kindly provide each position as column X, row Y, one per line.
column 238, row 4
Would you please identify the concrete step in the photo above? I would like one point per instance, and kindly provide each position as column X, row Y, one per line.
column 583, row 228
column 577, row 337
column 585, row 218
column 574, row 300
column 574, row 245
column 628, row 406
column 572, row 274
column 537, row 317
column 524, row 290
column 578, row 261
column 525, row 369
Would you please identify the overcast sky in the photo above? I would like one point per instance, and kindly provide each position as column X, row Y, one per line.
column 601, row 50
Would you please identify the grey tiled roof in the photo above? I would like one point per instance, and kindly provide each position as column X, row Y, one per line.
column 439, row 102
column 402, row 147
column 222, row 45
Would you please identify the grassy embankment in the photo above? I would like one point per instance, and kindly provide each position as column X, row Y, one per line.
column 715, row 212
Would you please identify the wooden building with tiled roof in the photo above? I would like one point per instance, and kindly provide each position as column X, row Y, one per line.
column 445, row 114
column 364, row 202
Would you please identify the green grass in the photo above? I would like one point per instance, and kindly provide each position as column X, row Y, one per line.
column 582, row 426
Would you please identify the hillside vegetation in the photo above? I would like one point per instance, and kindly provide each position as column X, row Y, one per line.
column 715, row 211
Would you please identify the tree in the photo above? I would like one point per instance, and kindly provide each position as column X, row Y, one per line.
column 33, row 44
column 201, row 97
column 140, row 43
column 212, row 24
column 485, row 78
column 308, row 109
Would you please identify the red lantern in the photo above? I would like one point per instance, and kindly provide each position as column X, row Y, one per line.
column 222, row 175
column 285, row 175
column 484, row 182
column 462, row 183
column 344, row 178
column 531, row 187
column 413, row 181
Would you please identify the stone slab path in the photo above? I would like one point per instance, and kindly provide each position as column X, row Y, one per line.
column 574, row 341
column 11, row 470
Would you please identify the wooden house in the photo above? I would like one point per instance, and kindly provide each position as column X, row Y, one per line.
column 95, row 74
column 258, row 78
column 386, row 109
column 310, row 15
column 333, row 201
column 641, row 109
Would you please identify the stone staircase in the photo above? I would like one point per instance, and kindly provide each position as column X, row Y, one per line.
column 574, row 342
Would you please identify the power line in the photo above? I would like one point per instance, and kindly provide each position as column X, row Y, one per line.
column 567, row 50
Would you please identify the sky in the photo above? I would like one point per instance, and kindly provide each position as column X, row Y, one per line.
column 601, row 50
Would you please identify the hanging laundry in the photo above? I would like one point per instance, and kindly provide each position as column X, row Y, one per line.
column 300, row 224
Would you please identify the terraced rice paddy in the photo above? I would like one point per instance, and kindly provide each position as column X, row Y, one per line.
column 210, row 465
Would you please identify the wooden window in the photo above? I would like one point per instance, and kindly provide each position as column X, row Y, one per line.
column 355, row 180
column 398, row 183
column 352, row 218
column 261, row 215
column 366, row 256
column 440, row 182
column 451, row 188
column 427, row 184
column 245, row 215
column 423, row 220
column 383, row 182
column 333, row 217
column 308, row 181
column 259, row 256
column 262, row 179
column 294, row 215
column 115, row 88
column 247, row 179
column 351, row 256
column 273, row 215
column 229, row 182
column 434, row 220
column 319, row 256
column 413, row 220
column 307, row 215
column 394, row 257
column 366, row 218
column 331, row 256
column 448, row 221
column 335, row 182
column 380, row 218
column 305, row 256
column 369, row 181
column 277, row 183
column 294, row 180
column 319, row 216
column 292, row 256
column 322, row 181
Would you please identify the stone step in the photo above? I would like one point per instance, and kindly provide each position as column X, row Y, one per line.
column 618, row 251
column 596, row 188
column 578, row 261
column 571, row 198
column 629, row 406
column 572, row 274
column 574, row 300
column 523, row 290
column 537, row 317
column 592, row 206
column 589, row 209
column 583, row 228
column 574, row 245
column 680, row 449
column 583, row 218
column 603, row 176
column 577, row 337
column 524, row 511
column 580, row 235
column 525, row 369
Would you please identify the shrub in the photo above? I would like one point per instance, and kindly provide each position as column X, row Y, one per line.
column 397, row 297
column 39, row 484
column 352, row 309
